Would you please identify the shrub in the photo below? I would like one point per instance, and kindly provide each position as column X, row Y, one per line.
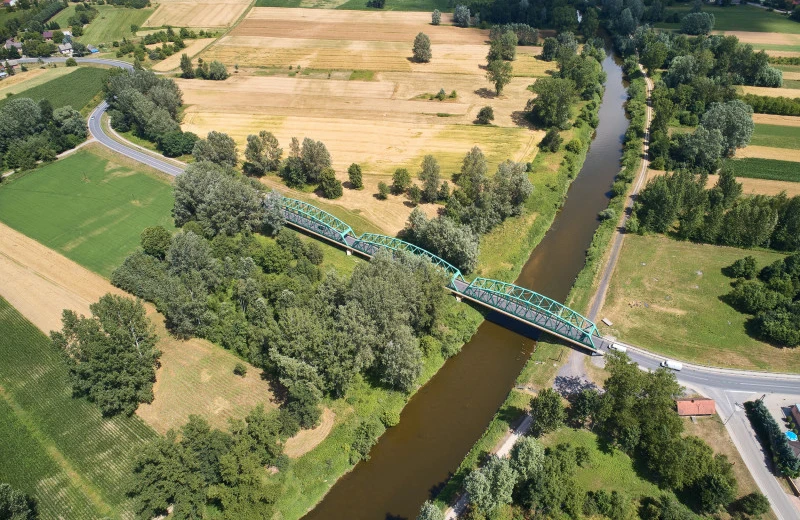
column 608, row 214
column 486, row 115
column 551, row 141
column 574, row 146
column 441, row 95
column 436, row 17
column 422, row 48
column 354, row 174
column 742, row 268
column 390, row 418
column 71, row 62
column 383, row 190
column 240, row 369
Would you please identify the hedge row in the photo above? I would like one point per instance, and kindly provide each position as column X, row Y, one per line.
column 773, row 437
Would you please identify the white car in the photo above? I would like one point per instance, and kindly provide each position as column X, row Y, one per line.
column 672, row 365
column 618, row 347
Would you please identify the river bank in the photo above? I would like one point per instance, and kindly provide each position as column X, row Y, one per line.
column 448, row 413
column 540, row 370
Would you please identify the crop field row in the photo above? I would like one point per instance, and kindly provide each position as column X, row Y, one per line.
column 770, row 169
column 89, row 206
column 391, row 5
column 77, row 88
column 99, row 450
column 27, row 466
column 776, row 136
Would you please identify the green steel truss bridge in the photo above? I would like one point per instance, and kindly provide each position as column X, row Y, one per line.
column 511, row 300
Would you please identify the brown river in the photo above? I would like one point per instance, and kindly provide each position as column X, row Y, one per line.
column 445, row 418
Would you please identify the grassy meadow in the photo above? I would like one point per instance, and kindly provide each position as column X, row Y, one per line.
column 111, row 24
column 740, row 18
column 776, row 136
column 89, row 206
column 71, row 459
column 77, row 88
column 770, row 169
column 666, row 296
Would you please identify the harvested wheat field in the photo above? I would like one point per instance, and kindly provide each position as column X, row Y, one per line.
column 767, row 152
column 195, row 377
column 770, row 119
column 771, row 92
column 197, row 14
column 767, row 38
column 174, row 61
column 783, row 54
column 383, row 122
column 762, row 186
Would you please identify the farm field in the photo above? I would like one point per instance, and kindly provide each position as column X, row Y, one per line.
column 776, row 136
column 771, row 92
column 93, row 452
column 742, row 18
column 665, row 297
column 28, row 466
column 90, row 206
column 392, row 5
column 776, row 120
column 769, row 152
column 76, row 87
column 770, row 169
column 113, row 24
column 31, row 78
column 173, row 62
column 195, row 376
column 196, row 14
column 382, row 124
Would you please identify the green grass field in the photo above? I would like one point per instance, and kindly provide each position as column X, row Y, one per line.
column 356, row 5
column 770, row 169
column 776, row 136
column 77, row 88
column 112, row 23
column 665, row 297
column 791, row 83
column 89, row 457
column 88, row 207
column 741, row 18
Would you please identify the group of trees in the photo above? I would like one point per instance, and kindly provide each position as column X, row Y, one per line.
column 31, row 17
column 636, row 414
column 577, row 75
column 183, row 473
column 111, row 356
column 16, row 505
column 723, row 129
column 502, row 50
column 773, row 296
column 720, row 215
column 147, row 104
column 214, row 70
column 32, row 132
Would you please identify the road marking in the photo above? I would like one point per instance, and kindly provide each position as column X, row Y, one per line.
column 767, row 384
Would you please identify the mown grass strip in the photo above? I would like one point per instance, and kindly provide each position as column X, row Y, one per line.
column 776, row 136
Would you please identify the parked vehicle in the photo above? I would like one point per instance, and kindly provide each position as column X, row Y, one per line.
column 672, row 365
column 618, row 347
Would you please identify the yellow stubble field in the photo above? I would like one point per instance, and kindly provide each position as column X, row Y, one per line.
column 382, row 124
column 180, row 13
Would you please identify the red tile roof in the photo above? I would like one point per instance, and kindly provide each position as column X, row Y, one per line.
column 696, row 406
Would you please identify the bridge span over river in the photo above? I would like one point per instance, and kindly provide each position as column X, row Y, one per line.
column 511, row 300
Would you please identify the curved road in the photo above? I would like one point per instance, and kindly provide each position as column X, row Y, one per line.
column 728, row 387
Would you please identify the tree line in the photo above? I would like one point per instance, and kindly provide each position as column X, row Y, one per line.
column 635, row 413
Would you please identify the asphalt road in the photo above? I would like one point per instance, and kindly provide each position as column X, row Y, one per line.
column 727, row 387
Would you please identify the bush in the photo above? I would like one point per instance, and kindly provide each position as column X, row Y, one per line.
column 436, row 17
column 71, row 62
column 240, row 369
column 354, row 175
column 742, row 268
column 608, row 214
column 486, row 115
column 390, row 418
column 551, row 141
column 383, row 190
column 574, row 146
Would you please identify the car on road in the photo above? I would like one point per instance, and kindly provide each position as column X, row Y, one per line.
column 672, row 365
column 618, row 347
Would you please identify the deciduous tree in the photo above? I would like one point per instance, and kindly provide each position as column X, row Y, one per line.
column 422, row 48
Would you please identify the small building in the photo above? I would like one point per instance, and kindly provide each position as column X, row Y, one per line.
column 65, row 49
column 9, row 3
column 92, row 49
column 696, row 406
column 12, row 43
column 47, row 35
